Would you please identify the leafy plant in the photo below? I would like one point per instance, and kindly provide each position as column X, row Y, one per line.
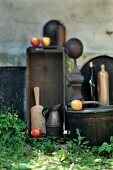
column 80, row 142
column 72, row 146
column 61, row 154
column 77, row 143
column 46, row 147
column 105, row 149
column 13, row 130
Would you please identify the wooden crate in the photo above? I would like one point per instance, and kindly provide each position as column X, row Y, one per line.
column 46, row 69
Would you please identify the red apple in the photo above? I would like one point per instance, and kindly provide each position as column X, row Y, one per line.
column 35, row 41
column 46, row 41
column 36, row 132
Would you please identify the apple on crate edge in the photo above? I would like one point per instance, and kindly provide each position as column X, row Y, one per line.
column 46, row 41
column 35, row 41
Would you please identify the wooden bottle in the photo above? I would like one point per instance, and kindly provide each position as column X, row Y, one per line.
column 103, row 85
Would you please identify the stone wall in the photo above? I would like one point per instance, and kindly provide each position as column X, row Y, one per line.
column 88, row 20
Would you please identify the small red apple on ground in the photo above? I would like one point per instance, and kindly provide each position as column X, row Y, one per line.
column 36, row 132
column 35, row 41
column 46, row 41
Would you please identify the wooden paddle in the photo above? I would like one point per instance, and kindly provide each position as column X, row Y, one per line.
column 37, row 119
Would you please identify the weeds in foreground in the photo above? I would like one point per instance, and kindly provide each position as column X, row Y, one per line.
column 17, row 151
column 12, row 130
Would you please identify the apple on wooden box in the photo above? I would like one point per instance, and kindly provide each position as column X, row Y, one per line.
column 46, row 41
column 35, row 41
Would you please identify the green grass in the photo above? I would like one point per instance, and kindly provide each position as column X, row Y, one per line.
column 20, row 152
column 51, row 155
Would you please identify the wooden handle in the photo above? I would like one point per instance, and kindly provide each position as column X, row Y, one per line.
column 94, row 102
column 36, row 93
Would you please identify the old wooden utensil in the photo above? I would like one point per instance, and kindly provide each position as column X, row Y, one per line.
column 37, row 119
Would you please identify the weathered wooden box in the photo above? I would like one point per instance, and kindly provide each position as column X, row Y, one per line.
column 45, row 69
